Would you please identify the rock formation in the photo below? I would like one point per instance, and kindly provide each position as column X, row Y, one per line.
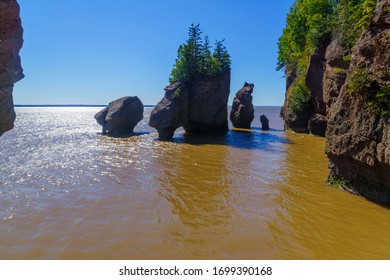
column 11, row 41
column 317, row 124
column 325, row 76
column 121, row 116
column 358, row 135
column 171, row 112
column 207, row 107
column 199, row 105
column 264, row 122
column 296, row 121
column 243, row 113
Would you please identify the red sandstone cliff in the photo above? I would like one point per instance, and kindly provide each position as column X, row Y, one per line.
column 11, row 41
column 358, row 133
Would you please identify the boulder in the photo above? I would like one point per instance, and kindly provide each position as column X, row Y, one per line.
column 171, row 112
column 264, row 122
column 121, row 116
column 243, row 113
column 317, row 124
column 11, row 41
column 101, row 119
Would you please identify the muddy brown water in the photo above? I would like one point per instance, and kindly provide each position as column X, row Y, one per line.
column 67, row 192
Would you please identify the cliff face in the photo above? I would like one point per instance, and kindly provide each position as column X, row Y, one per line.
column 296, row 121
column 358, row 133
column 325, row 76
column 11, row 41
column 349, row 104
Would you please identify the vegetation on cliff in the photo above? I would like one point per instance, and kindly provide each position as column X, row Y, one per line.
column 375, row 85
column 311, row 24
column 195, row 58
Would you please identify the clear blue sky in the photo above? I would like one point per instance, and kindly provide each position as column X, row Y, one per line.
column 93, row 51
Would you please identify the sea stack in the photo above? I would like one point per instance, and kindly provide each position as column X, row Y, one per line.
column 171, row 112
column 264, row 122
column 243, row 113
column 199, row 105
column 120, row 116
column 11, row 41
column 207, row 106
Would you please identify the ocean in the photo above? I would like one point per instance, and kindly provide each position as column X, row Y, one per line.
column 68, row 192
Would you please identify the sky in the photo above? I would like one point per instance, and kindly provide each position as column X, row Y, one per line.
column 94, row 51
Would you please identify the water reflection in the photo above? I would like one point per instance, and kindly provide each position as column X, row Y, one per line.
column 238, row 138
column 200, row 192
column 71, row 194
column 319, row 222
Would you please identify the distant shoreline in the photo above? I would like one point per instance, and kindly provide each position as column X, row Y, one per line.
column 66, row 105
column 86, row 105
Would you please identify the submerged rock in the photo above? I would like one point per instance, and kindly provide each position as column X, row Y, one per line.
column 11, row 41
column 121, row 116
column 171, row 112
column 264, row 122
column 243, row 113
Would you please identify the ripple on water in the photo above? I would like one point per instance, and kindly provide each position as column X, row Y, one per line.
column 69, row 192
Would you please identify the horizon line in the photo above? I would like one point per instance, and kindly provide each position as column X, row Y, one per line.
column 101, row 105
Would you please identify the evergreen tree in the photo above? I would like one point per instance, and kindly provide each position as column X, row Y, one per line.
column 206, row 64
column 221, row 56
column 194, row 58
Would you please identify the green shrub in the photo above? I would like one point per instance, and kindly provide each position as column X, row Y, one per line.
column 351, row 18
column 375, row 86
column 194, row 58
column 311, row 23
column 359, row 81
column 300, row 97
column 339, row 71
column 177, row 92
column 380, row 101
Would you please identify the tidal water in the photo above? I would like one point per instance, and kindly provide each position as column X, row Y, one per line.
column 67, row 192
